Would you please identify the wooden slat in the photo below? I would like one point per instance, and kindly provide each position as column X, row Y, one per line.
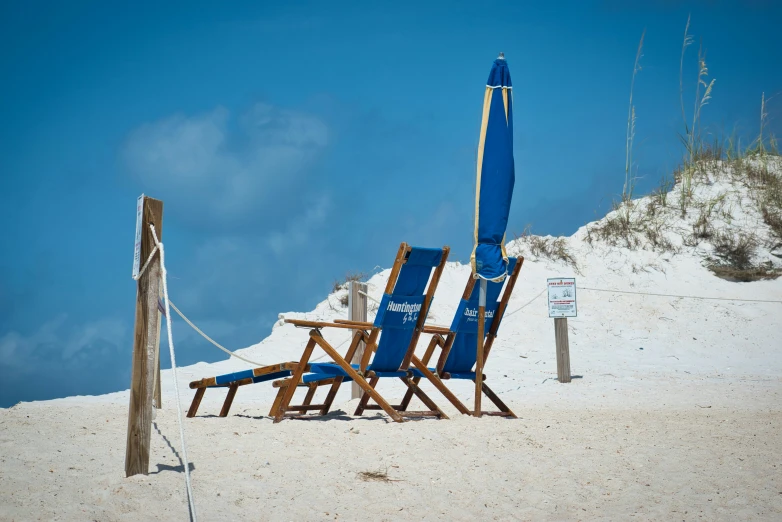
column 304, row 407
column 430, row 329
column 364, row 325
column 313, row 387
column 364, row 401
column 420, row 413
column 497, row 402
column 435, row 380
column 145, row 343
column 229, row 399
column 433, row 343
column 498, row 414
column 423, row 397
column 479, row 361
column 331, row 395
column 290, row 390
column 203, row 383
column 277, row 401
column 369, row 390
column 318, row 324
column 196, row 402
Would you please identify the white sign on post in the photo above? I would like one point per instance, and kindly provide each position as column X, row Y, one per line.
column 137, row 250
column 562, row 297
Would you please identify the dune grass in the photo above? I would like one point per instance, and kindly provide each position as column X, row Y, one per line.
column 728, row 251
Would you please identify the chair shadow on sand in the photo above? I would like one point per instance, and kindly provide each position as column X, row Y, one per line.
column 334, row 415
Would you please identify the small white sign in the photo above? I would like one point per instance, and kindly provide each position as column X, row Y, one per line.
column 562, row 297
column 137, row 249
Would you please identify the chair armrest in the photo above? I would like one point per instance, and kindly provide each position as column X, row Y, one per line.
column 362, row 325
column 318, row 324
column 433, row 329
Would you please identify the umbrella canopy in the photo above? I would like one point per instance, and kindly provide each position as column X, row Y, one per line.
column 496, row 176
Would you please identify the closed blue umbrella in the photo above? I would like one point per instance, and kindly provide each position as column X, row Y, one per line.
column 493, row 193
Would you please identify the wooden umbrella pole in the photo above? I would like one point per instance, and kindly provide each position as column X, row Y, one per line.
column 479, row 358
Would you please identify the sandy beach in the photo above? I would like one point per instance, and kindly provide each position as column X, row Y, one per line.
column 673, row 413
column 664, row 457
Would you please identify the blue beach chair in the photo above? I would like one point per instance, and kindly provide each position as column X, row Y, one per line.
column 390, row 342
column 458, row 355
column 400, row 317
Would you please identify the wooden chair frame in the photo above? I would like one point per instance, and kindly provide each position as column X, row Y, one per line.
column 444, row 338
column 366, row 379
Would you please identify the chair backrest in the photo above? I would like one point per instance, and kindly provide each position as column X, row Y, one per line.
column 405, row 304
column 463, row 353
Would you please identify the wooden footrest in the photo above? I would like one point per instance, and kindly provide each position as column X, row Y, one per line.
column 305, row 408
column 378, row 407
column 420, row 413
column 498, row 413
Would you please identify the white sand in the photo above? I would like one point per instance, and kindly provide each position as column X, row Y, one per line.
column 674, row 414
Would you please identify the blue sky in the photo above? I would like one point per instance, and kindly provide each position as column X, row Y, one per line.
column 294, row 142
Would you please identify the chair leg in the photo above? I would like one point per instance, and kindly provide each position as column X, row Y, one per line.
column 353, row 374
column 277, row 401
column 408, row 395
column 199, row 394
column 312, row 388
column 332, row 394
column 441, row 387
column 424, row 397
column 433, row 343
column 294, row 381
column 362, row 404
column 497, row 402
column 229, row 400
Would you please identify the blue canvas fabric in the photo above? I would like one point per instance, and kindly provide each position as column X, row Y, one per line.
column 398, row 312
column 462, row 356
column 322, row 371
column 397, row 316
column 248, row 374
column 495, row 176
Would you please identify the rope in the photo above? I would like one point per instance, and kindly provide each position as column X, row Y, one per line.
column 190, row 498
column 229, row 352
column 368, row 296
column 146, row 264
column 338, row 346
column 680, row 296
column 527, row 303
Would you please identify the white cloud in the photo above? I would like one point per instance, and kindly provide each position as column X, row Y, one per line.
column 223, row 167
column 55, row 343
column 298, row 232
column 230, row 268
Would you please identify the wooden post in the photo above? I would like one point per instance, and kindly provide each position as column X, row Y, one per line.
column 146, row 336
column 479, row 356
column 357, row 311
column 563, row 349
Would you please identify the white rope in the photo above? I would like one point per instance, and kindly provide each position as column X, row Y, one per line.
column 368, row 296
column 526, row 304
column 678, row 296
column 190, row 498
column 146, row 264
column 226, row 350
